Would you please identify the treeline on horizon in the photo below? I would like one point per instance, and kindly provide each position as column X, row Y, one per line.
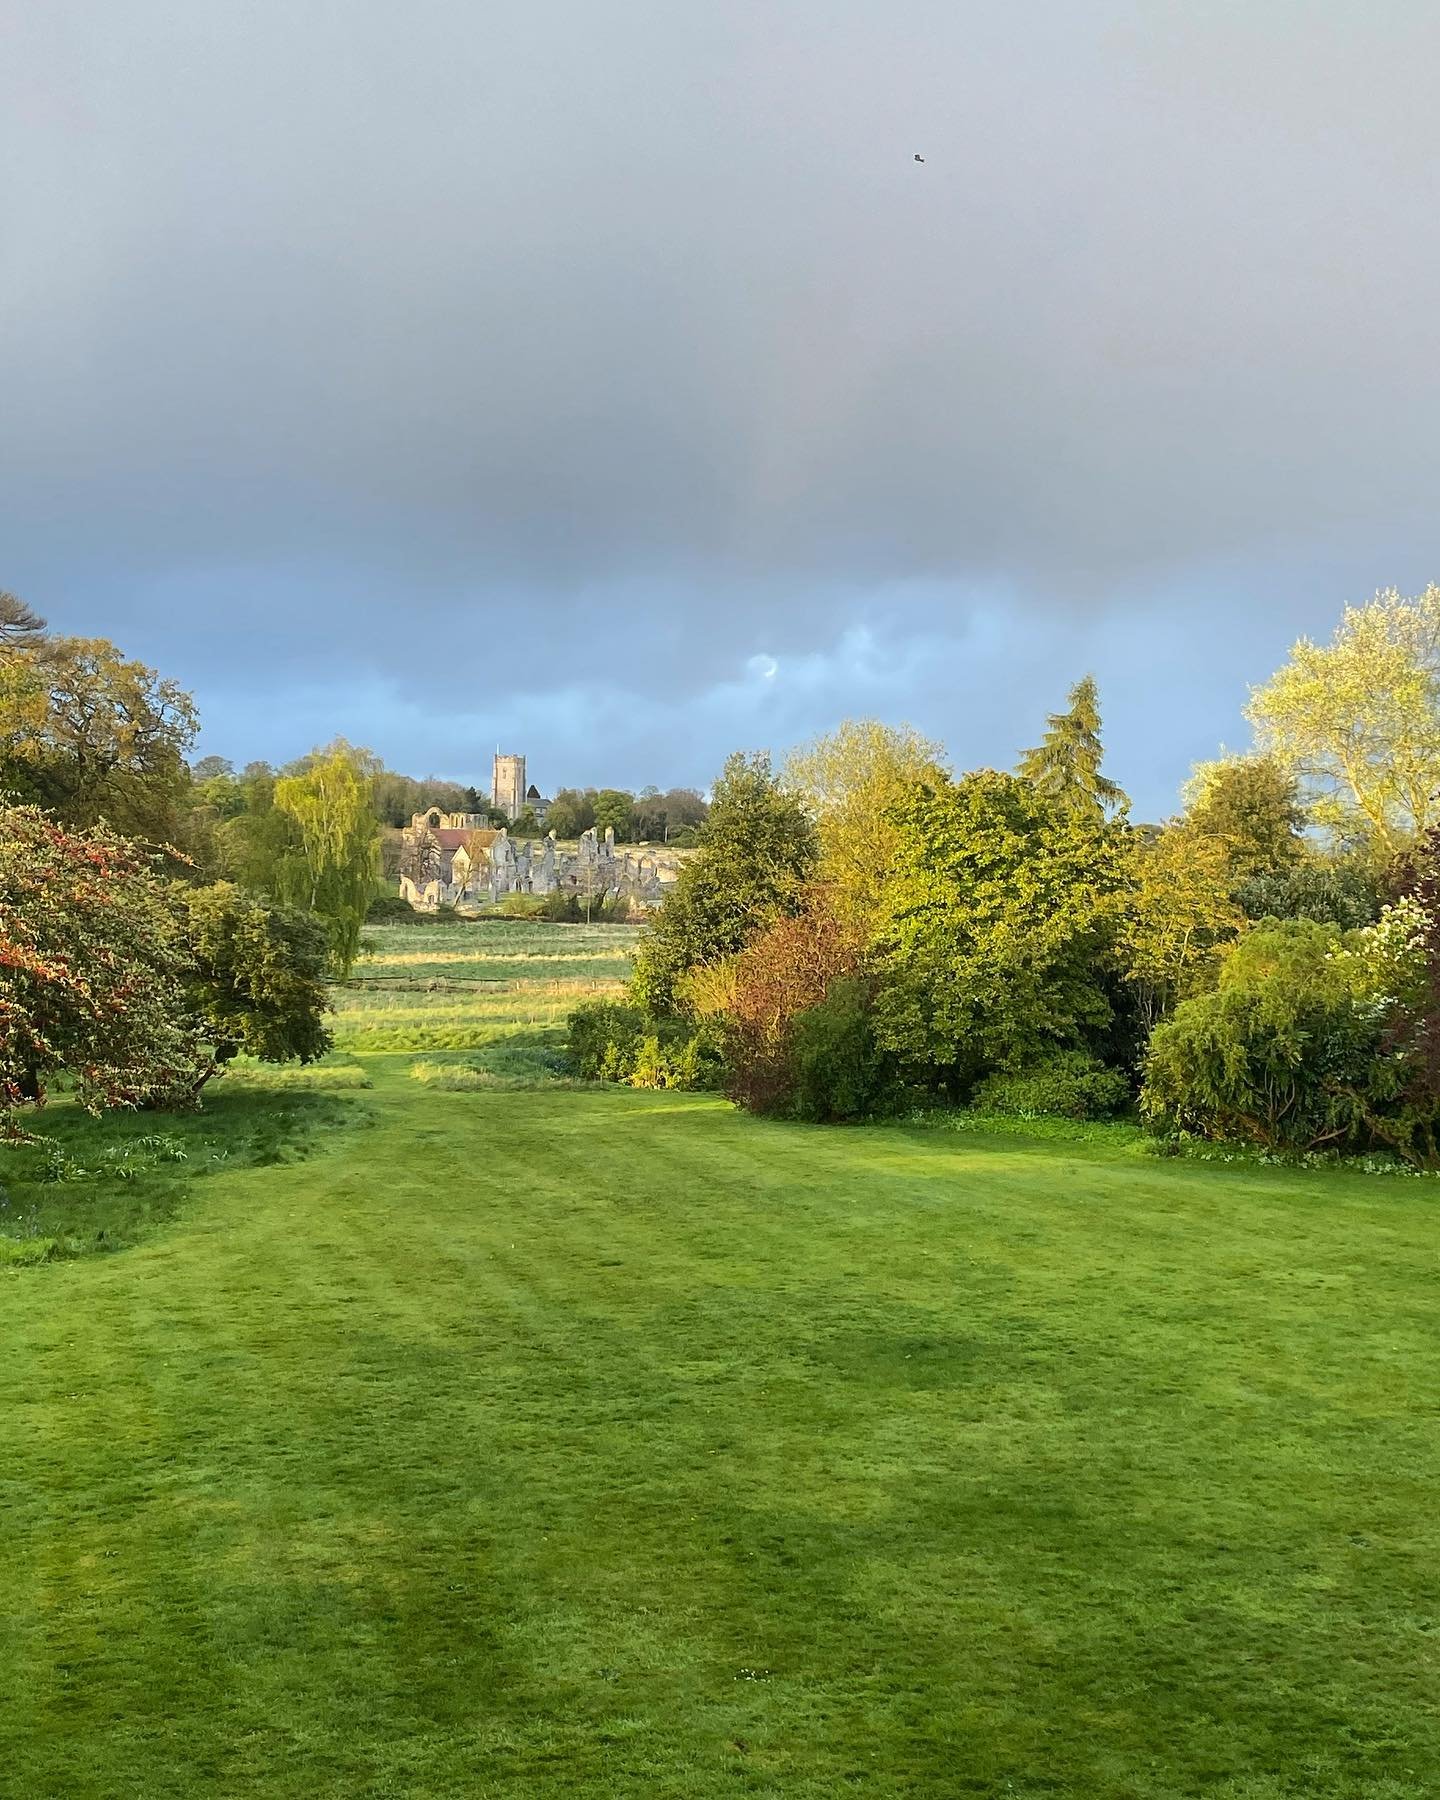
column 224, row 793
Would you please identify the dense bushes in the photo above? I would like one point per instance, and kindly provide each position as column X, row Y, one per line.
column 1295, row 1049
column 881, row 935
column 566, row 906
column 756, row 849
column 611, row 1041
column 839, row 1072
column 759, row 995
column 1071, row 1085
column 93, row 963
column 256, row 981
column 391, row 909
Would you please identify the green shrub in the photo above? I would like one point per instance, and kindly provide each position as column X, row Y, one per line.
column 677, row 1055
column 566, row 907
column 609, row 1041
column 1291, row 1050
column 522, row 906
column 1071, row 1085
column 390, row 909
column 839, row 1071
column 603, row 1039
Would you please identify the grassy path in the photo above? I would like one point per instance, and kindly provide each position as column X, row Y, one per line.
column 539, row 1444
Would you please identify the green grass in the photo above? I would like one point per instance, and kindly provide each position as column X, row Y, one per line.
column 95, row 1185
column 475, row 987
column 538, row 1442
column 328, row 1076
column 498, row 950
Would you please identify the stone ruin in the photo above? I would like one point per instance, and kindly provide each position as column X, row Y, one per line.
column 451, row 860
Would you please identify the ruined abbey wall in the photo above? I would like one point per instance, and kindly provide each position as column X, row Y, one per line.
column 454, row 865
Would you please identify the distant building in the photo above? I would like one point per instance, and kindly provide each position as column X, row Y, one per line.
column 507, row 789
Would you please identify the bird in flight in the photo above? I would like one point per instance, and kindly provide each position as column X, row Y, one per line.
column 919, row 158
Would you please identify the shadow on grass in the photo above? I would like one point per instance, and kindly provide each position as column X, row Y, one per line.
column 88, row 1185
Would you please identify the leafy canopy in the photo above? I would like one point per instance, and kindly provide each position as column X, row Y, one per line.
column 1293, row 1050
column 851, row 781
column 992, row 936
column 1178, row 916
column 1251, row 805
column 1357, row 721
column 258, row 978
column 90, row 734
column 757, row 848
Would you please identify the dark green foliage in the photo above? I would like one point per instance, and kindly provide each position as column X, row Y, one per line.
column 397, row 798
column 562, row 906
column 1413, row 1028
column 1286, row 1053
column 390, row 909
column 612, row 1041
column 839, row 1071
column 566, row 906
column 260, row 846
column 1065, row 765
column 756, row 849
column 258, row 983
column 571, row 812
column 992, row 935
column 1346, row 894
column 522, row 906
column 603, row 1039
column 663, row 818
column 615, row 809
column 1071, row 1085
column 19, row 623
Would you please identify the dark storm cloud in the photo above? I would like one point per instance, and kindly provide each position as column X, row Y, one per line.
column 440, row 372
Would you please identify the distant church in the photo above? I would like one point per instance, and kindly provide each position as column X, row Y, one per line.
column 508, row 790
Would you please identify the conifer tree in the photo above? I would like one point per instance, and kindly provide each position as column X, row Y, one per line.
column 1065, row 765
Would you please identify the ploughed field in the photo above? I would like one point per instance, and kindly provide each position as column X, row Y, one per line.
column 473, row 1433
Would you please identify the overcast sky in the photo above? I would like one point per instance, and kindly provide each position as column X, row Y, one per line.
column 607, row 378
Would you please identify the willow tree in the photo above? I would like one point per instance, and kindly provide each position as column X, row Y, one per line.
column 1065, row 765
column 1357, row 720
column 851, row 782
column 332, row 803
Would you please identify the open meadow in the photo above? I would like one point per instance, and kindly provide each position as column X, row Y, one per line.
column 429, row 1425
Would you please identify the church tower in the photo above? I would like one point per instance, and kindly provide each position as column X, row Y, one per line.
column 507, row 789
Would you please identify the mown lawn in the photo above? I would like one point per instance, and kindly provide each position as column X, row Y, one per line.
column 549, row 1442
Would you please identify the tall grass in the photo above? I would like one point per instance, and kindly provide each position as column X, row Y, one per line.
column 498, row 953
column 473, row 987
